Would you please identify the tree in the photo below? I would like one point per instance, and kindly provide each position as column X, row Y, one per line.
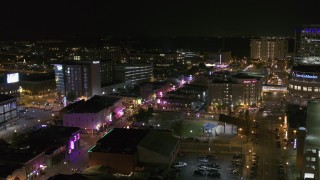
column 141, row 116
column 202, row 66
column 71, row 96
column 149, row 112
column 178, row 127
column 59, row 94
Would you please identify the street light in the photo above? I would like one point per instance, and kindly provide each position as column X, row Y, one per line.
column 240, row 130
column 192, row 135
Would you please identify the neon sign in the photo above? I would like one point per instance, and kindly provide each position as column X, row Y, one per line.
column 248, row 82
column 307, row 76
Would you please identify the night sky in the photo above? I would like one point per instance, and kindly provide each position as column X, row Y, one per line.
column 61, row 19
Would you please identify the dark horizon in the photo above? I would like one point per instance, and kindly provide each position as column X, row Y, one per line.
column 25, row 20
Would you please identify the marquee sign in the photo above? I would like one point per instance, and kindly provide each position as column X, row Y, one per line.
column 307, row 76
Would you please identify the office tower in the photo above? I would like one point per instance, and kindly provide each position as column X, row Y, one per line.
column 107, row 72
column 269, row 48
column 81, row 77
column 307, row 45
column 134, row 73
column 303, row 84
column 308, row 164
column 8, row 111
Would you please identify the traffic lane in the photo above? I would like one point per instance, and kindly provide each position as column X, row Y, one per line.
column 267, row 149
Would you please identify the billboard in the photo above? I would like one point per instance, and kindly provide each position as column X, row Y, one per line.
column 12, row 78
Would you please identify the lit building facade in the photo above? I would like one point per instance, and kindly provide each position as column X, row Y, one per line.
column 188, row 99
column 107, row 72
column 93, row 114
column 134, row 73
column 307, row 46
column 303, row 84
column 309, row 143
column 237, row 90
column 269, row 48
column 9, row 84
column 8, row 111
column 81, row 77
column 162, row 62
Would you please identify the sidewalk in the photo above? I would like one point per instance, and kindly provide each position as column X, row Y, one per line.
column 78, row 159
column 292, row 173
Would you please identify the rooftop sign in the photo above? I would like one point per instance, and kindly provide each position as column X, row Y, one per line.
column 307, row 76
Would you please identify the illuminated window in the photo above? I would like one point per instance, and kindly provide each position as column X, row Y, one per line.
column 295, row 87
column 304, row 88
column 316, row 89
column 299, row 87
column 309, row 88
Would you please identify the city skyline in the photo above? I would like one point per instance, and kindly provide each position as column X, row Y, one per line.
column 54, row 20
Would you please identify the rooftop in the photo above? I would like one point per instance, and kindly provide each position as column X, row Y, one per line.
column 72, row 62
column 17, row 156
column 7, row 169
column 120, row 140
column 126, row 141
column 4, row 97
column 307, row 68
column 161, row 142
column 93, row 105
column 36, row 142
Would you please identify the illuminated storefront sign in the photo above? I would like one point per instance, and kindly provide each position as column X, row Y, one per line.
column 248, row 82
column 307, row 76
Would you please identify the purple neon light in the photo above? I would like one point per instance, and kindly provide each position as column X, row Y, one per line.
column 71, row 144
column 311, row 30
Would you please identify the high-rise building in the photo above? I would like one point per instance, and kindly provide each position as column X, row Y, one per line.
column 269, row 48
column 303, row 84
column 134, row 73
column 8, row 111
column 235, row 89
column 81, row 77
column 107, row 72
column 309, row 142
column 307, row 46
column 164, row 64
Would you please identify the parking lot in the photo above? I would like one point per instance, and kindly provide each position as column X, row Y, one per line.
column 225, row 161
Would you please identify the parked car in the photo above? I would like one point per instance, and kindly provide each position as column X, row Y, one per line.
column 179, row 164
column 199, row 172
column 237, row 156
column 215, row 174
column 202, row 167
column 203, row 159
column 214, row 165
